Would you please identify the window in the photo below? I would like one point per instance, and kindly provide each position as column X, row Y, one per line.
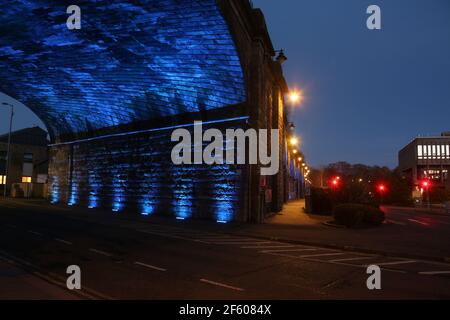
column 26, row 179
column 420, row 151
column 3, row 155
column 28, row 157
column 2, row 180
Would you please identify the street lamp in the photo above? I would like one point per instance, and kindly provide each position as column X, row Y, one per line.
column 9, row 145
column 293, row 141
column 295, row 96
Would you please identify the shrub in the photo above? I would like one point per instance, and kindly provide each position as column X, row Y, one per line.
column 319, row 202
column 353, row 215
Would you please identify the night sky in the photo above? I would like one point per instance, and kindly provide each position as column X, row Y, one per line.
column 368, row 93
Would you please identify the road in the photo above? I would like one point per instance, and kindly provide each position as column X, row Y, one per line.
column 133, row 259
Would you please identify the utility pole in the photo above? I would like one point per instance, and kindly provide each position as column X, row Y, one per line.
column 9, row 147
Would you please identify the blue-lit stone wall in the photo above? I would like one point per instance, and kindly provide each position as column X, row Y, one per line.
column 131, row 61
column 134, row 174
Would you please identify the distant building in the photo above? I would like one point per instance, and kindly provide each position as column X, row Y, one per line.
column 427, row 158
column 28, row 167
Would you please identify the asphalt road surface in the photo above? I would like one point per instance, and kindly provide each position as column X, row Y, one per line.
column 123, row 259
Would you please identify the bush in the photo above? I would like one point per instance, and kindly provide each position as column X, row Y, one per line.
column 319, row 201
column 353, row 215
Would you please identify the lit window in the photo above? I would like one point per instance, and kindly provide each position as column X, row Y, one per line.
column 2, row 180
column 420, row 151
column 26, row 179
column 430, row 153
column 447, row 147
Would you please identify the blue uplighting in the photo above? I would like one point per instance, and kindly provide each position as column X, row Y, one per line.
column 54, row 190
column 119, row 186
column 94, row 182
column 225, row 197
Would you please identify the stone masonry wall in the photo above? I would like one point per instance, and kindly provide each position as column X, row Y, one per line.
column 134, row 173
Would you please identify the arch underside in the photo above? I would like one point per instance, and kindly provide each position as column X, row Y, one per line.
column 131, row 61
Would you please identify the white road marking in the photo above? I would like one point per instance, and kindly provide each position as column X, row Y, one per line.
column 240, row 242
column 352, row 259
column 221, row 285
column 35, row 233
column 166, row 235
column 431, row 273
column 289, row 250
column 228, row 239
column 64, row 241
column 419, row 222
column 323, row 255
column 269, row 247
column 149, row 266
column 393, row 263
column 397, row 222
column 103, row 253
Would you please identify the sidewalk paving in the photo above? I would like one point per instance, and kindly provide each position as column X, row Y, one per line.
column 294, row 214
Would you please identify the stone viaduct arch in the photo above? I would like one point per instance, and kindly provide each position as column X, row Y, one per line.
column 110, row 93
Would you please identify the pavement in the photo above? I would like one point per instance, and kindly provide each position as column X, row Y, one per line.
column 123, row 257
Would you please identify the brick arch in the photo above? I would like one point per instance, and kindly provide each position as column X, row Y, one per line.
column 131, row 61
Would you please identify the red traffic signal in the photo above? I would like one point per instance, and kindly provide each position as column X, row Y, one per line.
column 425, row 184
column 335, row 182
column 381, row 188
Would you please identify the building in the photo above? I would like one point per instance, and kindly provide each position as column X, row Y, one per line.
column 28, row 166
column 111, row 102
column 427, row 158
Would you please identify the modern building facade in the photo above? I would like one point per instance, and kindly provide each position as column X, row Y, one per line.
column 28, row 162
column 112, row 93
column 427, row 158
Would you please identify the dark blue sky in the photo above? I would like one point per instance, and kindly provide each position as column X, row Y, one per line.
column 368, row 93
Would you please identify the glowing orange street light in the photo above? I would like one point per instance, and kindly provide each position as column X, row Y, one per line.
column 295, row 96
column 293, row 141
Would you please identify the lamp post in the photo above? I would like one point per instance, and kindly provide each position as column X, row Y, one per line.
column 9, row 146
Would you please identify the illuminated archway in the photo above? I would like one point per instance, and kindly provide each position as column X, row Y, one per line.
column 131, row 61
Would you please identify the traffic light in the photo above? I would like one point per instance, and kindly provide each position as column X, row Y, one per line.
column 381, row 188
column 335, row 182
column 425, row 184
